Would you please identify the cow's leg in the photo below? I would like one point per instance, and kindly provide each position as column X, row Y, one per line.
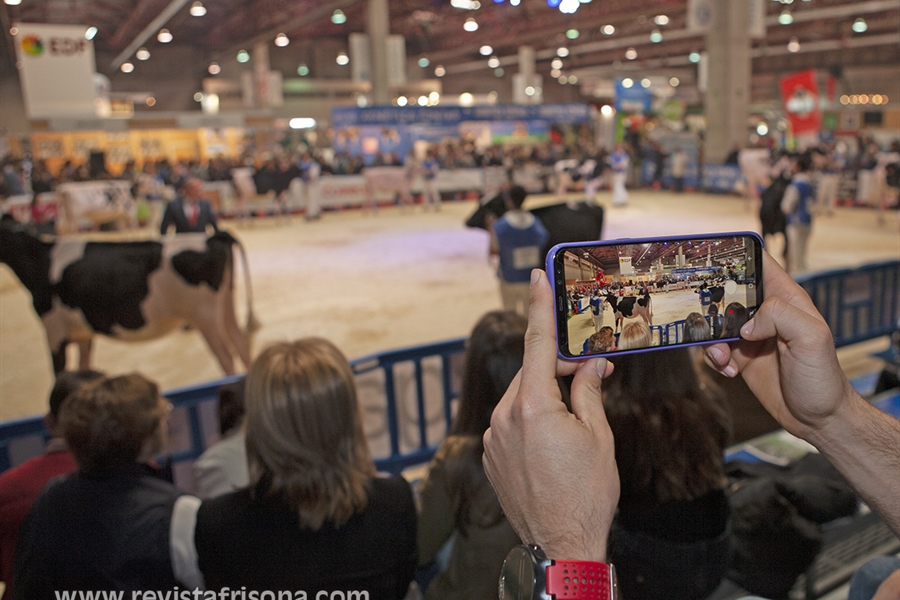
column 84, row 353
column 239, row 339
column 217, row 342
column 59, row 357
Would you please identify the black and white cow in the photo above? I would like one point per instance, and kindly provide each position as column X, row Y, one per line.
column 716, row 295
column 631, row 307
column 131, row 290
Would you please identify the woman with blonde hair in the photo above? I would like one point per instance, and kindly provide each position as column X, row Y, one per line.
column 315, row 516
column 635, row 335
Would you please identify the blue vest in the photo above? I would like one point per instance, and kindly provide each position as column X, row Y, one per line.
column 801, row 215
column 520, row 249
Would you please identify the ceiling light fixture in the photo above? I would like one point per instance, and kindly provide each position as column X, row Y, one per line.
column 423, row 62
column 338, row 17
column 214, row 68
column 656, row 36
column 608, row 29
column 90, row 33
column 197, row 9
column 694, row 57
column 568, row 7
column 127, row 67
column 631, row 54
column 281, row 40
column 661, row 20
column 12, row 2
column 440, row 71
column 342, row 59
column 785, row 18
column 860, row 25
column 485, row 50
column 164, row 36
column 243, row 56
column 142, row 54
column 470, row 25
column 562, row 52
column 303, row 70
column 572, row 34
column 493, row 62
column 793, row 45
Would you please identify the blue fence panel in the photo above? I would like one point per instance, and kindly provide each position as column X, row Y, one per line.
column 858, row 304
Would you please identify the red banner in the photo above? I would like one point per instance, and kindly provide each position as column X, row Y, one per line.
column 800, row 95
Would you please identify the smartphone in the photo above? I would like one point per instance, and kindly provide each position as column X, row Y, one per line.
column 626, row 296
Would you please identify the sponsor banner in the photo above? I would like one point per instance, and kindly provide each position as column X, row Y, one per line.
column 700, row 15
column 633, row 99
column 800, row 96
column 346, row 116
column 57, row 71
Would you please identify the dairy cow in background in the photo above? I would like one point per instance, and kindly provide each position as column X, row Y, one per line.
column 131, row 290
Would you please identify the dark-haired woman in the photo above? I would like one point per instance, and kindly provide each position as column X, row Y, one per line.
column 456, row 496
column 733, row 319
column 670, row 538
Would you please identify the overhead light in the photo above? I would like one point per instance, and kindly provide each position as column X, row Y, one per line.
column 214, row 68
column 13, row 2
column 793, row 45
column 656, row 36
column 198, row 96
column 423, row 62
column 127, row 67
column 762, row 129
column 197, row 9
column 573, row 79
column 466, row 99
column 485, row 50
column 674, row 81
column 243, row 56
column 89, row 34
column 342, row 59
column 164, row 36
column 860, row 25
column 499, row 72
column 556, row 63
column 423, row 101
column 465, row 4
column 470, row 25
column 631, row 54
column 568, row 7
column 302, row 123
column 402, row 101
column 15, row 31
column 530, row 91
column 303, row 70
column 661, row 20
column 562, row 52
column 627, row 83
column 493, row 62
column 606, row 110
column 338, row 17
column 645, row 83
column 281, row 40
column 142, row 54
column 440, row 71
column 572, row 34
column 694, row 57
column 150, row 101
column 555, row 73
column 515, row 2
column 562, row 79
column 785, row 18
column 434, row 97
column 608, row 29
column 553, row 3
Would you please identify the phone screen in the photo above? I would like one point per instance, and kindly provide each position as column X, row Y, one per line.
column 637, row 295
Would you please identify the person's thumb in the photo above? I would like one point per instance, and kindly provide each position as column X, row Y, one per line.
column 587, row 397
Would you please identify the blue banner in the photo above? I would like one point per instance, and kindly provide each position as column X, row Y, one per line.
column 633, row 99
column 347, row 116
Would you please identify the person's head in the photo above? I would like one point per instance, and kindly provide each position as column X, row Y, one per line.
column 193, row 188
column 67, row 383
column 733, row 319
column 493, row 357
column 670, row 426
column 713, row 310
column 803, row 163
column 114, row 421
column 696, row 328
column 635, row 335
column 305, row 439
column 516, row 196
column 231, row 406
column 602, row 341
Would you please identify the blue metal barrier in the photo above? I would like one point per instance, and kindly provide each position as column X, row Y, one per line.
column 194, row 422
column 858, row 304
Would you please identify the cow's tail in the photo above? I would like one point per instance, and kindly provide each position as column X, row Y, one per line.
column 252, row 323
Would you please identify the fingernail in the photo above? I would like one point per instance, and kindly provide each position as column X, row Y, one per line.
column 715, row 354
column 535, row 275
column 601, row 367
column 747, row 329
column 730, row 371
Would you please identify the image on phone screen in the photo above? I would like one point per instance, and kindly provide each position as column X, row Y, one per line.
column 638, row 295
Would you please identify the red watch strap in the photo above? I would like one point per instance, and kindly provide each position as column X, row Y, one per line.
column 579, row 580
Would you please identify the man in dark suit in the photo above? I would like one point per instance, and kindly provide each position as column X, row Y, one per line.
column 189, row 212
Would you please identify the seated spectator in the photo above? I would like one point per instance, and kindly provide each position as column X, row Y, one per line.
column 602, row 341
column 670, row 538
column 315, row 516
column 21, row 485
column 696, row 328
column 635, row 335
column 222, row 468
column 734, row 318
column 456, row 498
column 715, row 321
column 107, row 526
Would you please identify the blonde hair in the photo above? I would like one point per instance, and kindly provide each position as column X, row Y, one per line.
column 107, row 423
column 635, row 335
column 304, row 432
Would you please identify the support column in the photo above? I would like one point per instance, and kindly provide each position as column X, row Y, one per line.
column 525, row 76
column 378, row 28
column 261, row 74
column 728, row 96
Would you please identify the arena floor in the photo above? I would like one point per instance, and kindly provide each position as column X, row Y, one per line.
column 373, row 283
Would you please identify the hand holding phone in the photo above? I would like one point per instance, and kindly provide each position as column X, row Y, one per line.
column 623, row 296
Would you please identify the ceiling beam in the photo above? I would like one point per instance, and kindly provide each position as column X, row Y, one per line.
column 161, row 19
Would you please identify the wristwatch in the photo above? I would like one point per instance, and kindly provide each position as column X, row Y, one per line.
column 528, row 574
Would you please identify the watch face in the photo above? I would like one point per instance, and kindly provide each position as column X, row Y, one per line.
column 517, row 576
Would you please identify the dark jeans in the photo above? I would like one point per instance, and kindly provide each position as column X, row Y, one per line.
column 650, row 568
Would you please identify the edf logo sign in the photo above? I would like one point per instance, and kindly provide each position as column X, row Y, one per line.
column 57, row 46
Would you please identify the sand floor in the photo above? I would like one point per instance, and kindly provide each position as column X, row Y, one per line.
column 372, row 283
